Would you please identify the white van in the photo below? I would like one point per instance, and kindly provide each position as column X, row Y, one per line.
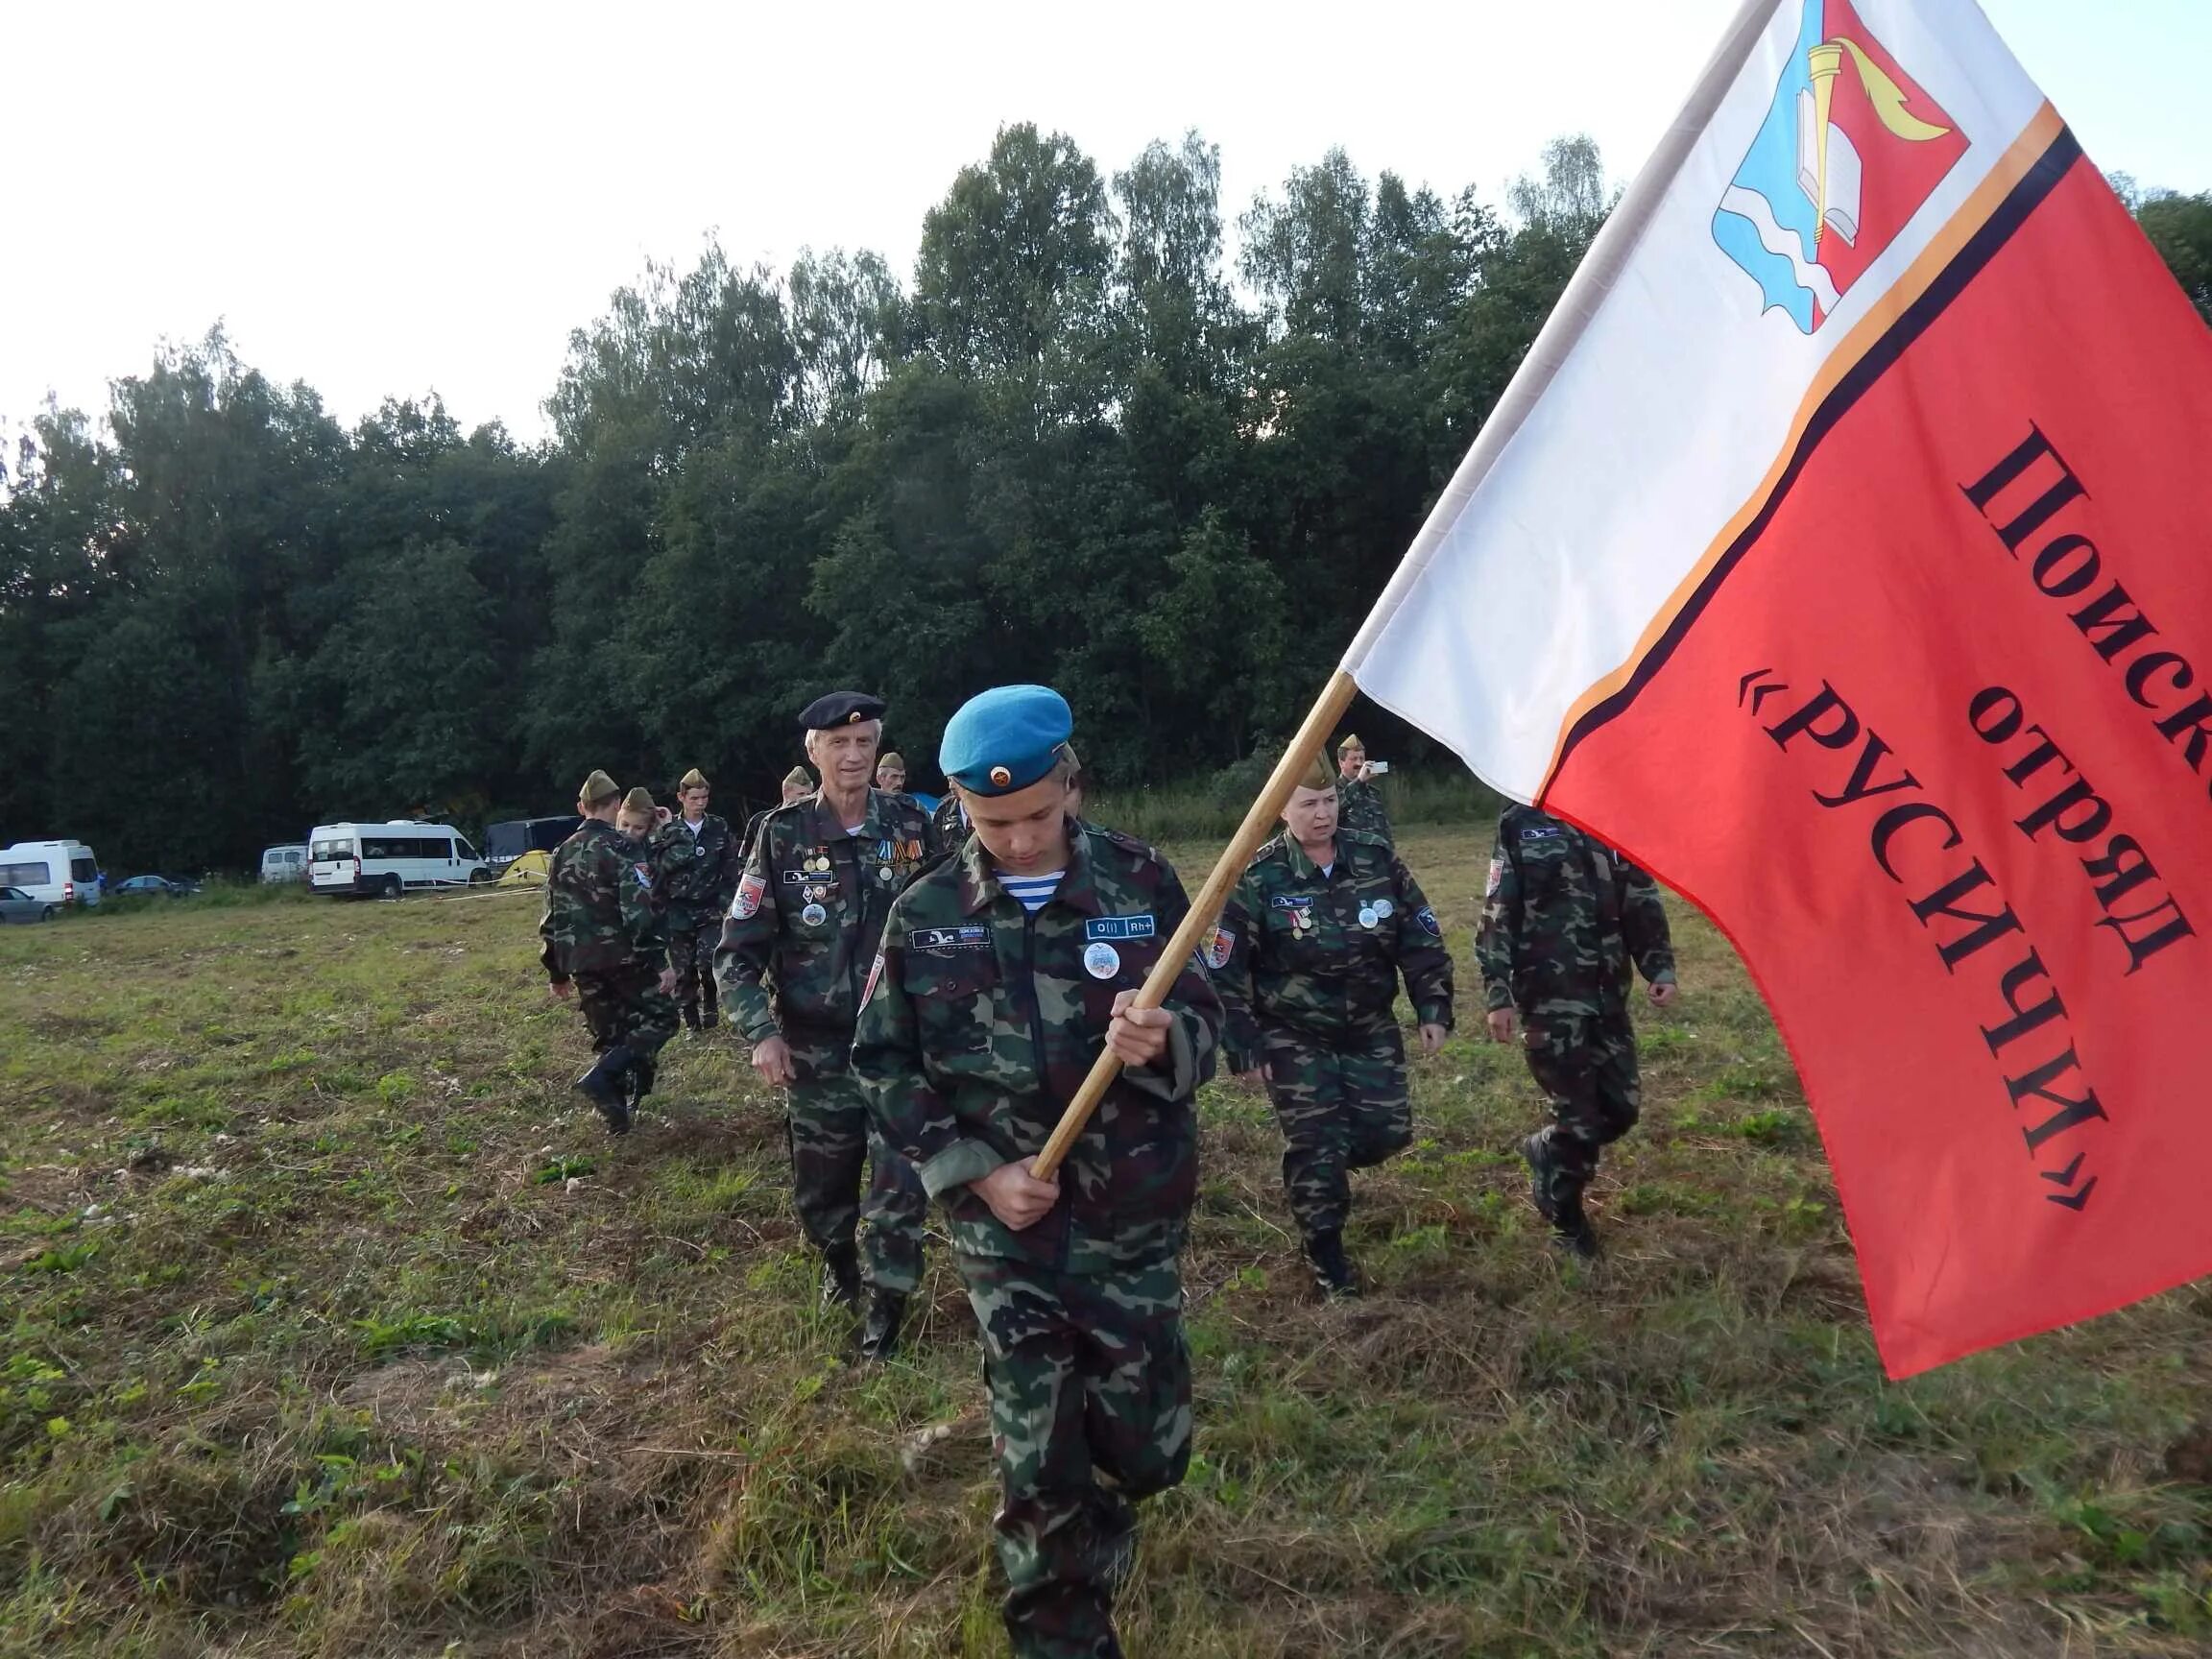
column 388, row 859
column 285, row 863
column 52, row 872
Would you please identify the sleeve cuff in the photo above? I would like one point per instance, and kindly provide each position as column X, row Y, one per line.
column 958, row 1164
column 1496, row 996
column 1175, row 1074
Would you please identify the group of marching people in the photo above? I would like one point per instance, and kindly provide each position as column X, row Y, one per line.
column 931, row 991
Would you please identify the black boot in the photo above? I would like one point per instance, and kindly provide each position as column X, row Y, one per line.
column 637, row 1081
column 605, row 1086
column 1334, row 1274
column 841, row 1276
column 879, row 1335
column 709, row 1018
column 691, row 1017
column 1558, row 1197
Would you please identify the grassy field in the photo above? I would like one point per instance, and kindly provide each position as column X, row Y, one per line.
column 334, row 1327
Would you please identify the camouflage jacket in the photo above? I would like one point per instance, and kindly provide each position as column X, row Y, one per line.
column 951, row 828
column 1360, row 806
column 1322, row 954
column 808, row 912
column 700, row 883
column 599, row 912
column 1563, row 918
column 982, row 1021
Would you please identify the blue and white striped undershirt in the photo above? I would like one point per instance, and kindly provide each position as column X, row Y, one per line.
column 1034, row 892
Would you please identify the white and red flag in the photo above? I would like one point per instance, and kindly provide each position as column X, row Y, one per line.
column 1844, row 554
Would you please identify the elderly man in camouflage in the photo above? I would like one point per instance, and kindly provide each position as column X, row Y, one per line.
column 601, row 941
column 1003, row 971
column 1307, row 959
column 1358, row 797
column 795, row 951
column 1564, row 917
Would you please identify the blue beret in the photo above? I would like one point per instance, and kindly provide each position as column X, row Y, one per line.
column 841, row 708
column 1005, row 738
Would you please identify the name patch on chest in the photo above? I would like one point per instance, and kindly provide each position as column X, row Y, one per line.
column 1543, row 833
column 1118, row 928
column 975, row 936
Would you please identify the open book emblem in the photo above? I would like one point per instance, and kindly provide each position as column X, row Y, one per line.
column 1849, row 150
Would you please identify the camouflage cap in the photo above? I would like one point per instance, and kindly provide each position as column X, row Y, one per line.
column 1351, row 741
column 798, row 777
column 693, row 779
column 639, row 801
column 597, row 789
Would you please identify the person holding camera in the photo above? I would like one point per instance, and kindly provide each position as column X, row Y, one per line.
column 1359, row 801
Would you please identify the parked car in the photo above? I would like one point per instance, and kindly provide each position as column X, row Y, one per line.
column 384, row 859
column 286, row 863
column 18, row 905
column 58, row 873
column 156, row 887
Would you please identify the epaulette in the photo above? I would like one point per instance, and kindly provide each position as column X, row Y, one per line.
column 1143, row 851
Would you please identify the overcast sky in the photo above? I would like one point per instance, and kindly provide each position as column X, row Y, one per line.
column 391, row 199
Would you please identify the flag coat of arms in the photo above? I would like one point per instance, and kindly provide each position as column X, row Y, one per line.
column 1840, row 555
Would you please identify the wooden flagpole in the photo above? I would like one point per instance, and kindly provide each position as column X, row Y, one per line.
column 1206, row 909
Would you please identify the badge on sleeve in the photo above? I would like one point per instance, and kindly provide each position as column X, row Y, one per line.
column 644, row 874
column 1220, row 948
column 1100, row 960
column 868, row 995
column 1496, row 874
column 1429, row 922
column 747, row 904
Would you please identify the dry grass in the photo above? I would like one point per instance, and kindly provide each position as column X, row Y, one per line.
column 334, row 1328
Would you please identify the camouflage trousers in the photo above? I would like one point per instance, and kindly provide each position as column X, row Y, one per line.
column 691, row 954
column 1089, row 1385
column 833, row 1139
column 626, row 1005
column 1585, row 1063
column 1342, row 1107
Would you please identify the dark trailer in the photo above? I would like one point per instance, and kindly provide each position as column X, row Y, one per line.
column 504, row 843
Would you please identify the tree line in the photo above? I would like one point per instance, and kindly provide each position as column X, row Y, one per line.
column 1078, row 445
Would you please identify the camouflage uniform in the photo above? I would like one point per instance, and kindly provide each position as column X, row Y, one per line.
column 981, row 1024
column 1307, row 966
column 600, row 930
column 951, row 827
column 1564, row 917
column 1360, row 806
column 697, row 892
column 795, row 951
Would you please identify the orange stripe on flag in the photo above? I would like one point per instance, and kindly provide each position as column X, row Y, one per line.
column 1973, row 213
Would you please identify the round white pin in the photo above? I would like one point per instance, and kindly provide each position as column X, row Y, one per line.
column 1100, row 960
column 1368, row 917
column 1383, row 907
column 814, row 915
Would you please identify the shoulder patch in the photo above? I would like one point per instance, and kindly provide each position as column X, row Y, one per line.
column 875, row 977
column 1497, row 876
column 747, row 904
column 1429, row 922
column 1220, row 948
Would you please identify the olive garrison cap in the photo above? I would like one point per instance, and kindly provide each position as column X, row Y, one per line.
column 891, row 758
column 639, row 801
column 596, row 788
column 800, row 776
column 1005, row 738
column 693, row 779
column 841, row 708
column 1351, row 741
column 1317, row 775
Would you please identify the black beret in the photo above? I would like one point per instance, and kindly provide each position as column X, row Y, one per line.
column 840, row 709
